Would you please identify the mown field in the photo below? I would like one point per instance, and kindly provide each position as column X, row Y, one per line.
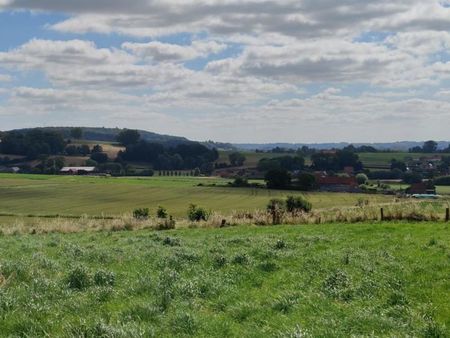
column 94, row 196
column 382, row 279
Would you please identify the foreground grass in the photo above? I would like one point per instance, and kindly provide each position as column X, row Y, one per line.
column 288, row 281
column 46, row 195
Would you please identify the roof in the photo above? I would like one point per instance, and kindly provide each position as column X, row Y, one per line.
column 336, row 180
column 69, row 169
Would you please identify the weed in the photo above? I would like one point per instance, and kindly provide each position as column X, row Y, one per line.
column 337, row 285
column 241, row 259
column 78, row 278
column 280, row 244
column 104, row 278
column 285, row 303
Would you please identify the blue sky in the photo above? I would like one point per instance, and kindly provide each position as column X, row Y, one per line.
column 236, row 71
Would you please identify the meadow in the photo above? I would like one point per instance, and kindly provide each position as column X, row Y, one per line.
column 341, row 280
column 96, row 196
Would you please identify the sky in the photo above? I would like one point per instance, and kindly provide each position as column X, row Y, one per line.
column 241, row 71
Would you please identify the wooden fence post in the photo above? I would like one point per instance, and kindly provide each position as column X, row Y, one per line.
column 382, row 214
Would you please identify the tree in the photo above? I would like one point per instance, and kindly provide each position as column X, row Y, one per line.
column 362, row 179
column 411, row 178
column 99, row 157
column 278, row 179
column 76, row 133
column 306, row 182
column 128, row 137
column 237, row 159
column 430, row 147
column 97, row 149
column 398, row 165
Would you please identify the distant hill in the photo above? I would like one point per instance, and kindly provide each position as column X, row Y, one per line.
column 397, row 146
column 110, row 134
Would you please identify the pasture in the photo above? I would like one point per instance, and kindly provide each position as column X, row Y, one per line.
column 384, row 159
column 96, row 196
column 382, row 279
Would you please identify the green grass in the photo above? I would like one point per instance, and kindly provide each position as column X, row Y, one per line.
column 384, row 159
column 66, row 195
column 288, row 281
column 252, row 158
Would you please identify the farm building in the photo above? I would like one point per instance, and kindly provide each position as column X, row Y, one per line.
column 421, row 189
column 77, row 170
column 336, row 183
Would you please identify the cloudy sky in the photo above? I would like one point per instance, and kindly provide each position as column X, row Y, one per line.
column 230, row 70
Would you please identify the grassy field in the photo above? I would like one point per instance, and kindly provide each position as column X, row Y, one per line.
column 252, row 158
column 67, row 195
column 287, row 281
column 384, row 159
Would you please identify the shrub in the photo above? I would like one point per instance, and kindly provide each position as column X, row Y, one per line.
column 141, row 213
column 240, row 182
column 298, row 203
column 104, row 278
column 167, row 224
column 197, row 214
column 161, row 212
column 78, row 278
column 362, row 179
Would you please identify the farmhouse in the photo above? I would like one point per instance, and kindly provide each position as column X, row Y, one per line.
column 336, row 183
column 422, row 188
column 77, row 170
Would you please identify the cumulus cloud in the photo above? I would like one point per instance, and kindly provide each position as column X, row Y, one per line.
column 393, row 52
column 161, row 52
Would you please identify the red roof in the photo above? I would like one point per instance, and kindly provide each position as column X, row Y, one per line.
column 336, row 180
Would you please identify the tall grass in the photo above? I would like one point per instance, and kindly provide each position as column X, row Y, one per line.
column 400, row 211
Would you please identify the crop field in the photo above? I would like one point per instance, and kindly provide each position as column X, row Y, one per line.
column 382, row 279
column 95, row 196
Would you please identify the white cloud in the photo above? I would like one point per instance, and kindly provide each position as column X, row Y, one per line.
column 161, row 52
column 259, row 92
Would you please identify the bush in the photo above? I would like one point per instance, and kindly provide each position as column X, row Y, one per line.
column 197, row 214
column 78, row 278
column 141, row 213
column 167, row 224
column 362, row 179
column 161, row 212
column 298, row 203
column 240, row 182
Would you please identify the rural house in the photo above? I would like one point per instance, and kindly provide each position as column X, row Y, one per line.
column 337, row 183
column 422, row 188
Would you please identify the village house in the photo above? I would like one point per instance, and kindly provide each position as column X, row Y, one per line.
column 336, row 183
column 422, row 188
